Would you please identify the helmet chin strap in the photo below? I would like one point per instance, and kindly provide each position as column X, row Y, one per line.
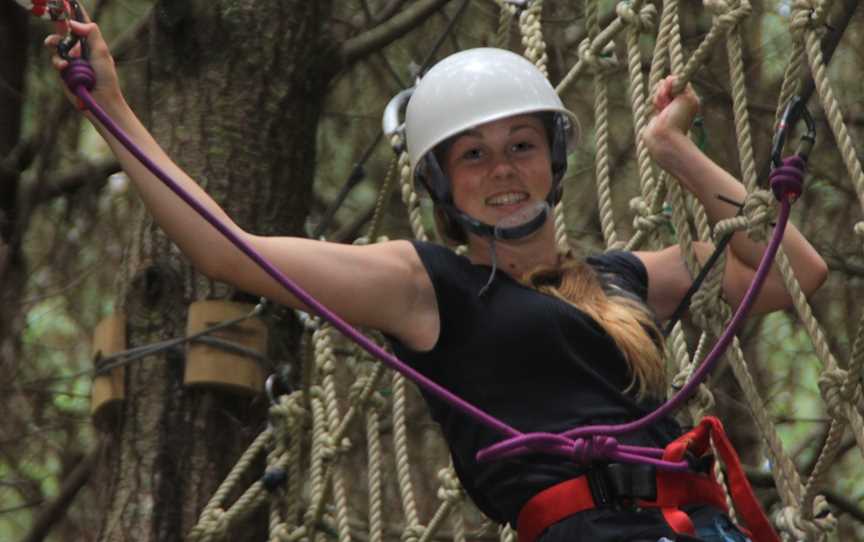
column 524, row 227
column 502, row 230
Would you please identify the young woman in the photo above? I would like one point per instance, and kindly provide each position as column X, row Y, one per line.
column 543, row 342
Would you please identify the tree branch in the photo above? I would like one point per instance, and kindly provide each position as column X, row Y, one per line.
column 55, row 510
column 385, row 33
column 387, row 11
column 75, row 178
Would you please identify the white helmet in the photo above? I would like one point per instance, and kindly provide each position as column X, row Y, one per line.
column 473, row 87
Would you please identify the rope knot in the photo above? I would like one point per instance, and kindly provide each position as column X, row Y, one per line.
column 645, row 218
column 374, row 401
column 728, row 12
column 596, row 448
column 802, row 18
column 451, row 489
column 329, row 448
column 413, row 533
column 760, row 210
column 290, row 412
column 791, row 521
column 643, row 21
column 788, row 179
column 703, row 398
column 832, row 385
column 718, row 7
column 284, row 533
column 604, row 62
column 707, row 313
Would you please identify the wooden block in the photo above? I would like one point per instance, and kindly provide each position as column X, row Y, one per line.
column 208, row 365
column 108, row 390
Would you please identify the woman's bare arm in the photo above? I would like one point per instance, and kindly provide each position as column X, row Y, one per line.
column 383, row 286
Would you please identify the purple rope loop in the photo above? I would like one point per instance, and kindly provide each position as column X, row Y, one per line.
column 788, row 178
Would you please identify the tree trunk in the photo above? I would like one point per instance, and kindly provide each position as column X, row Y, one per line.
column 231, row 93
column 13, row 57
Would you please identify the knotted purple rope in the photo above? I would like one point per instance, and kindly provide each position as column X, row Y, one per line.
column 78, row 74
column 788, row 179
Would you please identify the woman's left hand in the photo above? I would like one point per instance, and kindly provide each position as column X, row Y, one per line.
column 674, row 115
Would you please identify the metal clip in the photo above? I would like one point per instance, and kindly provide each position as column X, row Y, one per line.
column 390, row 122
column 795, row 111
column 64, row 48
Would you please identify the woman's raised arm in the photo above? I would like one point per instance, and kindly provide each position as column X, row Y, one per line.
column 668, row 143
column 383, row 286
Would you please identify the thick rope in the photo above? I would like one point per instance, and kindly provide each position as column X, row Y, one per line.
column 804, row 512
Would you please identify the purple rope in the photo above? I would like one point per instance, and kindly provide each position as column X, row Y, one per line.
column 586, row 443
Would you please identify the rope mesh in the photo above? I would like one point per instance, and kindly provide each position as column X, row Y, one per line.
column 308, row 437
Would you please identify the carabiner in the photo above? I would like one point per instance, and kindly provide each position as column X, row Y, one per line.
column 64, row 48
column 794, row 111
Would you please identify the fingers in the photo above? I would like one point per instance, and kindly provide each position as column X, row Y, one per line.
column 665, row 93
column 663, row 96
column 85, row 30
column 51, row 42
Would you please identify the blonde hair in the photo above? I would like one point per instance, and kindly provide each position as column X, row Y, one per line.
column 626, row 320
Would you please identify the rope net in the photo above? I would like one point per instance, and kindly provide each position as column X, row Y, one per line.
column 314, row 487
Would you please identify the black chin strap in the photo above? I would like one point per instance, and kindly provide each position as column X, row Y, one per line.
column 496, row 232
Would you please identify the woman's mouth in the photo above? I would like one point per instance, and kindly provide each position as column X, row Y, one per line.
column 506, row 198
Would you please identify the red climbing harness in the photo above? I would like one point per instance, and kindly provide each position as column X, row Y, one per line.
column 673, row 490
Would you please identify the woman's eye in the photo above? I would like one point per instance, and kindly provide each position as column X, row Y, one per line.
column 472, row 154
column 523, row 146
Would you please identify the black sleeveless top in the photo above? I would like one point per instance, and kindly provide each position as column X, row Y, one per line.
column 531, row 360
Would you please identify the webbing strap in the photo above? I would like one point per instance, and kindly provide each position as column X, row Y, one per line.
column 698, row 441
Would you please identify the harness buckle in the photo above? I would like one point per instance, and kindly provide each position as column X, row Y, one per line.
column 600, row 488
column 622, row 486
column 633, row 482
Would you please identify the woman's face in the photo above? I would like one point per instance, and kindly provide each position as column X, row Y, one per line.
column 500, row 167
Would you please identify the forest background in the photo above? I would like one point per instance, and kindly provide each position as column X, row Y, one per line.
column 273, row 106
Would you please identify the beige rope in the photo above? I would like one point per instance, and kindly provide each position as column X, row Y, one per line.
column 803, row 514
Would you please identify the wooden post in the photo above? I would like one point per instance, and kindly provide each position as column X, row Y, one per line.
column 210, row 365
column 108, row 389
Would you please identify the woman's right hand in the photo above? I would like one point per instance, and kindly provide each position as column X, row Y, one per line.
column 107, row 87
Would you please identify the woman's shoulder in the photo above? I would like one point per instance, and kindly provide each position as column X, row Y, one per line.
column 443, row 264
column 623, row 269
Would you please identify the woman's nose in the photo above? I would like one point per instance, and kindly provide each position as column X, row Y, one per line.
column 502, row 166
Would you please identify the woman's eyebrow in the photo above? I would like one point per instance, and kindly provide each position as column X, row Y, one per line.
column 469, row 132
column 523, row 126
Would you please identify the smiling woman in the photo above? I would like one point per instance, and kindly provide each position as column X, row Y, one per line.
column 554, row 342
column 499, row 167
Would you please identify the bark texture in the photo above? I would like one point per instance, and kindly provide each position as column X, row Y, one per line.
column 13, row 32
column 231, row 94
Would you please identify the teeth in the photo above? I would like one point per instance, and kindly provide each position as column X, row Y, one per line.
column 507, row 198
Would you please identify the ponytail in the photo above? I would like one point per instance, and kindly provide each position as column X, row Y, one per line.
column 626, row 320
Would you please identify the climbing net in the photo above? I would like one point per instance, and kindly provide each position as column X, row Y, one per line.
column 310, row 480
